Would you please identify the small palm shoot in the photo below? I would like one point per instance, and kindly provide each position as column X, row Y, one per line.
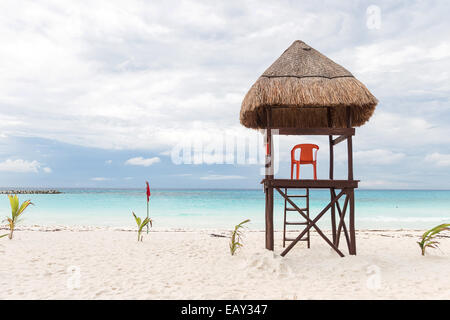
column 16, row 212
column 141, row 224
column 429, row 237
column 236, row 237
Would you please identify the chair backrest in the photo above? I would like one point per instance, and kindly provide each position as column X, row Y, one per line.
column 306, row 152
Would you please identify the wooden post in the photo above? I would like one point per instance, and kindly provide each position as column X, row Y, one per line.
column 349, row 145
column 352, row 249
column 352, row 192
column 269, row 178
column 307, row 214
column 330, row 140
column 331, row 145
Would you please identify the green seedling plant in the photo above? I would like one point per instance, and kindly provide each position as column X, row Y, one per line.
column 141, row 225
column 429, row 237
column 16, row 213
column 236, row 237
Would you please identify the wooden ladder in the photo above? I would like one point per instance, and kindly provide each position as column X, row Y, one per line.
column 296, row 223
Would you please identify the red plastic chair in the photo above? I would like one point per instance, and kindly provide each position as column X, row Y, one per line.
column 307, row 156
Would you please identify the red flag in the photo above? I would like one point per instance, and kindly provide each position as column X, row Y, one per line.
column 148, row 191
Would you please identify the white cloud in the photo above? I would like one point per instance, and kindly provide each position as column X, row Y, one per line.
column 381, row 184
column 441, row 160
column 140, row 161
column 108, row 161
column 140, row 75
column 100, row 179
column 221, row 177
column 373, row 183
column 136, row 75
column 377, row 157
column 389, row 56
column 19, row 165
column 374, row 157
column 47, row 170
column 402, row 130
column 182, row 175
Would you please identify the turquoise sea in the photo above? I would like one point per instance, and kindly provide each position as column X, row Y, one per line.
column 197, row 209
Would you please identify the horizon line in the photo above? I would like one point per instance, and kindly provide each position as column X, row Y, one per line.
column 202, row 188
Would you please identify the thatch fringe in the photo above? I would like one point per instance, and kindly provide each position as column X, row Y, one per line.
column 305, row 98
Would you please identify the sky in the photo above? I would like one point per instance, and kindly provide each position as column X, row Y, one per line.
column 104, row 93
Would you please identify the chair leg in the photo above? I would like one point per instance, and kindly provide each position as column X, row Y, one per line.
column 292, row 170
column 315, row 171
column 298, row 171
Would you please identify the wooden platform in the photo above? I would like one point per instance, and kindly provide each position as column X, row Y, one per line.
column 309, row 183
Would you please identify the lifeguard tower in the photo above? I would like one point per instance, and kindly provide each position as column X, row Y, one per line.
column 305, row 93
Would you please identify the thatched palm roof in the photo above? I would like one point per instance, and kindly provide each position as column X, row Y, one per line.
column 298, row 85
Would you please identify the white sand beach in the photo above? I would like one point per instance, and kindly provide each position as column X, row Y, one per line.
column 196, row 265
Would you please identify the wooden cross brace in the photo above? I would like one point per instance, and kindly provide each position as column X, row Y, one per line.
column 342, row 221
column 312, row 223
